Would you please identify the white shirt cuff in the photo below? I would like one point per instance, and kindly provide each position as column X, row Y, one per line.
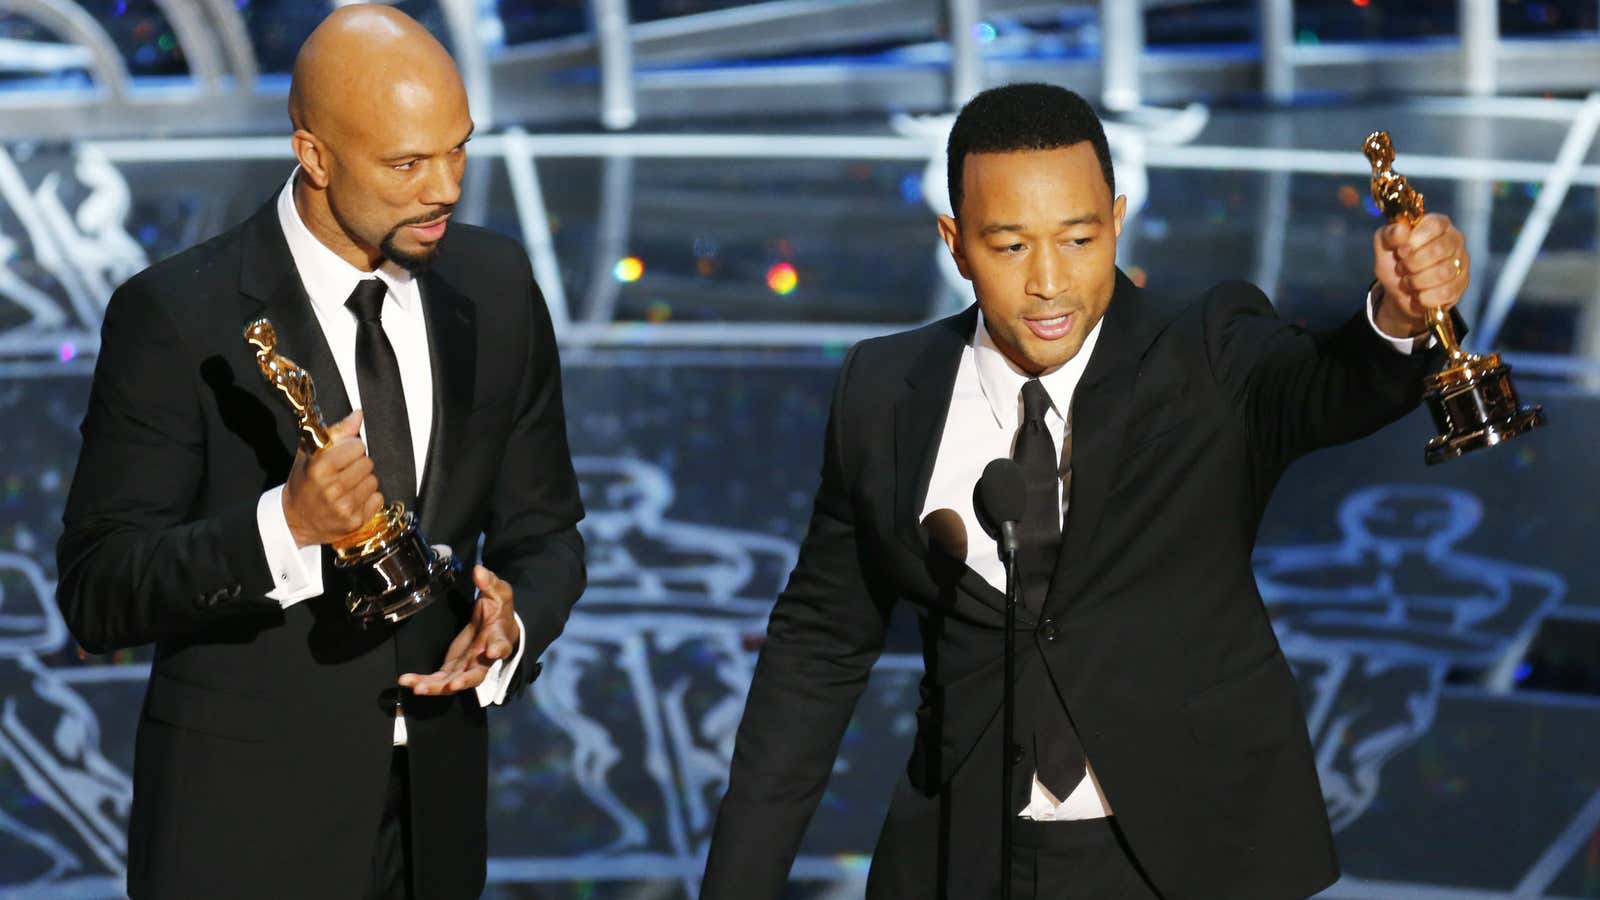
column 296, row 570
column 1403, row 345
column 495, row 684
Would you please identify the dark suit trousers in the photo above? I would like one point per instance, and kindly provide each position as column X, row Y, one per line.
column 1074, row 860
column 391, row 855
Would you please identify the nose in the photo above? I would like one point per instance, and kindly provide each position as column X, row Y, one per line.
column 1046, row 273
column 443, row 187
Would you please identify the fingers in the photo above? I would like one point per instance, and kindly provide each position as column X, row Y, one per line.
column 490, row 636
column 495, row 641
column 349, row 426
column 342, row 478
column 464, row 668
column 498, row 622
column 1434, row 266
column 446, row 681
column 351, row 477
column 1391, row 237
column 1424, row 266
column 350, row 496
column 490, row 584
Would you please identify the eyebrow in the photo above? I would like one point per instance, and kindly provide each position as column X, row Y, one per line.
column 417, row 154
column 1085, row 219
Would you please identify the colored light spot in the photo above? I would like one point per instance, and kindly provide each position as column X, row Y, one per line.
column 911, row 188
column 657, row 312
column 1522, row 672
column 1307, row 38
column 1138, row 276
column 166, row 42
column 985, row 32
column 783, row 279
column 1349, row 197
column 67, row 352
column 628, row 269
column 705, row 266
column 1361, row 3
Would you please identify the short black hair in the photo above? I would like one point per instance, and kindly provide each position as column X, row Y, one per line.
column 1029, row 116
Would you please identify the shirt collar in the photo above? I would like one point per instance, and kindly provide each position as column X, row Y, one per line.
column 330, row 279
column 1001, row 380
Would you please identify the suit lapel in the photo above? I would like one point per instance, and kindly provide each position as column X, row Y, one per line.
column 919, row 416
column 452, row 346
column 269, row 278
column 1100, row 415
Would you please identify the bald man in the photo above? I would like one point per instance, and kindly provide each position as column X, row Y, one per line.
column 283, row 751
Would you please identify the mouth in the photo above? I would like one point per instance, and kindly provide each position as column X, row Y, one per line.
column 1051, row 329
column 430, row 231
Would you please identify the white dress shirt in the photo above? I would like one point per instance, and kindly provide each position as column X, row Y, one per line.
column 985, row 415
column 329, row 280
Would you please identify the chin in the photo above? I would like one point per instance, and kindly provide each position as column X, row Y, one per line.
column 415, row 258
column 1048, row 357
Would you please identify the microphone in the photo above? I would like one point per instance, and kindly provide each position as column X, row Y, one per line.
column 999, row 499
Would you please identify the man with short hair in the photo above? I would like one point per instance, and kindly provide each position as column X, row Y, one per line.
column 283, row 751
column 1160, row 747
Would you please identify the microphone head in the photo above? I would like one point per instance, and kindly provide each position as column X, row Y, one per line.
column 1001, row 495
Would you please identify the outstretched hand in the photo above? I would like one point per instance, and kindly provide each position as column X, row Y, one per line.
column 491, row 635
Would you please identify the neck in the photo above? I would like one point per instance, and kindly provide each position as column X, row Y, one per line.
column 312, row 205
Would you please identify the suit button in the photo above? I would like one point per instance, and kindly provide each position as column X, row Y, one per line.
column 205, row 601
column 1017, row 756
column 1047, row 628
column 233, row 592
column 389, row 700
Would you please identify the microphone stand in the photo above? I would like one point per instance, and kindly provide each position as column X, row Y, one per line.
column 1008, row 552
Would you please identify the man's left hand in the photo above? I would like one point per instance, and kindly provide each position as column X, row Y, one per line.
column 491, row 635
column 1419, row 268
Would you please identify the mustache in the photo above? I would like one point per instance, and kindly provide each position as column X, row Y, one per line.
column 434, row 216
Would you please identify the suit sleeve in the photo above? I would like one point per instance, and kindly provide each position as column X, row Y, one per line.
column 135, row 567
column 826, row 631
column 532, row 539
column 1296, row 391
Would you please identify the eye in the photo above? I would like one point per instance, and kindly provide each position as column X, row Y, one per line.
column 1012, row 248
column 406, row 166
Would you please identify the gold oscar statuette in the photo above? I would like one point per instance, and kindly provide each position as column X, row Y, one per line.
column 1473, row 402
column 395, row 573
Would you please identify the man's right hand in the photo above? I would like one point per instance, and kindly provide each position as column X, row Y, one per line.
column 332, row 492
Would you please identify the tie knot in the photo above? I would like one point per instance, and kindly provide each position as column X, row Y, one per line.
column 366, row 301
column 1035, row 401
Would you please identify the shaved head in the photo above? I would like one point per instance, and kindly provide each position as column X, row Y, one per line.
column 381, row 119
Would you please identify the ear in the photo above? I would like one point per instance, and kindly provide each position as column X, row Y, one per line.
column 313, row 157
column 1118, row 210
column 950, row 233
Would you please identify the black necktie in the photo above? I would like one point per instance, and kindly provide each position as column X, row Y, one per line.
column 1057, row 752
column 383, row 401
column 1039, row 532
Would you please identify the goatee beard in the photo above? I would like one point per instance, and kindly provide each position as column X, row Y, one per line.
column 415, row 263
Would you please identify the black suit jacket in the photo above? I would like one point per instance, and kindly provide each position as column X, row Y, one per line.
column 264, row 744
column 1153, row 634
